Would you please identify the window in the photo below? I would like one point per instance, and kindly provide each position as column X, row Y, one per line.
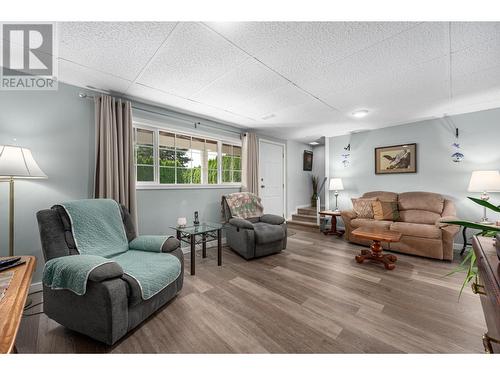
column 170, row 158
column 231, row 163
column 144, row 155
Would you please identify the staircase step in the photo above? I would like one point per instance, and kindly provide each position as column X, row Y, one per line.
column 303, row 225
column 306, row 211
column 305, row 218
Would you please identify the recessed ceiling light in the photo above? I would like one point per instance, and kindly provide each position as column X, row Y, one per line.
column 314, row 143
column 360, row 113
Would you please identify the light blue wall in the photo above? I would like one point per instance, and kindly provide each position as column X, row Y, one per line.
column 58, row 128
column 436, row 172
column 159, row 209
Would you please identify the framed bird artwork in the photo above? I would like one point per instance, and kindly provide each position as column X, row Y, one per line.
column 396, row 159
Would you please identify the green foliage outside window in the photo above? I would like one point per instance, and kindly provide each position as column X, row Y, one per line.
column 176, row 164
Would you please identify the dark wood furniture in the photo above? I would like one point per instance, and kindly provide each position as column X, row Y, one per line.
column 207, row 232
column 333, row 228
column 487, row 286
column 464, row 237
column 12, row 304
column 377, row 236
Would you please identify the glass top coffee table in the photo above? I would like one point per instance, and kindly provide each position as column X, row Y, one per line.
column 205, row 231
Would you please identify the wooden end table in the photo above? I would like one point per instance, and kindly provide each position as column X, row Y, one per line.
column 377, row 236
column 13, row 302
column 333, row 228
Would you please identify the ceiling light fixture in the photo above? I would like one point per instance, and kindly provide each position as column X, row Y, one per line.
column 314, row 143
column 360, row 113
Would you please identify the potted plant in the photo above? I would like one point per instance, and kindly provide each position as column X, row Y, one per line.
column 314, row 197
column 469, row 263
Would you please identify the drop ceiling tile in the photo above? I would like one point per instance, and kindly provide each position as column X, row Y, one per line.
column 192, row 58
column 249, row 80
column 292, row 48
column 306, row 115
column 482, row 82
column 408, row 49
column 273, row 101
column 323, row 43
column 119, row 48
column 466, row 34
column 254, row 36
column 81, row 76
column 185, row 105
column 392, row 88
column 477, row 57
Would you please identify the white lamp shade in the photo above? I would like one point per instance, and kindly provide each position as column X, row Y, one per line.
column 336, row 184
column 17, row 162
column 484, row 181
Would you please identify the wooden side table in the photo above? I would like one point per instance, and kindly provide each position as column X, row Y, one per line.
column 12, row 304
column 333, row 228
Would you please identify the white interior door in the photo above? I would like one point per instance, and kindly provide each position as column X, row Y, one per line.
column 271, row 177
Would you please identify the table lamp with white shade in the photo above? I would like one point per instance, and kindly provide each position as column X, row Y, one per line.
column 16, row 163
column 336, row 185
column 484, row 182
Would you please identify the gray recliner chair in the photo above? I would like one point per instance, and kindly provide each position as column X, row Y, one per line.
column 254, row 237
column 112, row 304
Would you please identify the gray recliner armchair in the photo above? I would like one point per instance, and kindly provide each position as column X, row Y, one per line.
column 254, row 237
column 112, row 304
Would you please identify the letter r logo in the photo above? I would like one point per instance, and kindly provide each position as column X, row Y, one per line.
column 27, row 49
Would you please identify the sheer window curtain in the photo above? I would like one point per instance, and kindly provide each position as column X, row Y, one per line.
column 114, row 157
column 250, row 163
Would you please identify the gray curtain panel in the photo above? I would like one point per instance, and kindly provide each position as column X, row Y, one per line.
column 250, row 163
column 114, row 158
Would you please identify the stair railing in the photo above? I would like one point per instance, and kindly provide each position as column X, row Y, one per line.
column 318, row 200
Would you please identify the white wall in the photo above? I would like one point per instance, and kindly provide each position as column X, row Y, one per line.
column 319, row 169
column 299, row 186
column 436, row 172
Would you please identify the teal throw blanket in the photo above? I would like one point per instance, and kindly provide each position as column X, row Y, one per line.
column 71, row 272
column 148, row 243
column 97, row 227
column 100, row 237
column 153, row 271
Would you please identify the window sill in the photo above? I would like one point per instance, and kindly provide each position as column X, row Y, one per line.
column 184, row 187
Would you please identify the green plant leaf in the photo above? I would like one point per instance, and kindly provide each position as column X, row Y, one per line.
column 484, row 203
column 470, row 224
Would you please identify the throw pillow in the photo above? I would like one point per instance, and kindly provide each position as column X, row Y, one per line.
column 385, row 210
column 363, row 207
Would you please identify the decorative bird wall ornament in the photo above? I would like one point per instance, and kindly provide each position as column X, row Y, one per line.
column 400, row 161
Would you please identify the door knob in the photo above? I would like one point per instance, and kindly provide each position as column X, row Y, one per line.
column 262, row 186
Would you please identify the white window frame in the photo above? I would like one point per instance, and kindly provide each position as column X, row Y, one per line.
column 155, row 184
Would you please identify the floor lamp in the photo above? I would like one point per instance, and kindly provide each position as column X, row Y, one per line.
column 16, row 163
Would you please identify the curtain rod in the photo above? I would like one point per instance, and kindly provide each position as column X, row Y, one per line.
column 196, row 123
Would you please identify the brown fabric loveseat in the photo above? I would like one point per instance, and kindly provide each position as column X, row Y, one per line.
column 420, row 223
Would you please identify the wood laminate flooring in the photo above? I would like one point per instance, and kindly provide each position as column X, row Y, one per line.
column 311, row 298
